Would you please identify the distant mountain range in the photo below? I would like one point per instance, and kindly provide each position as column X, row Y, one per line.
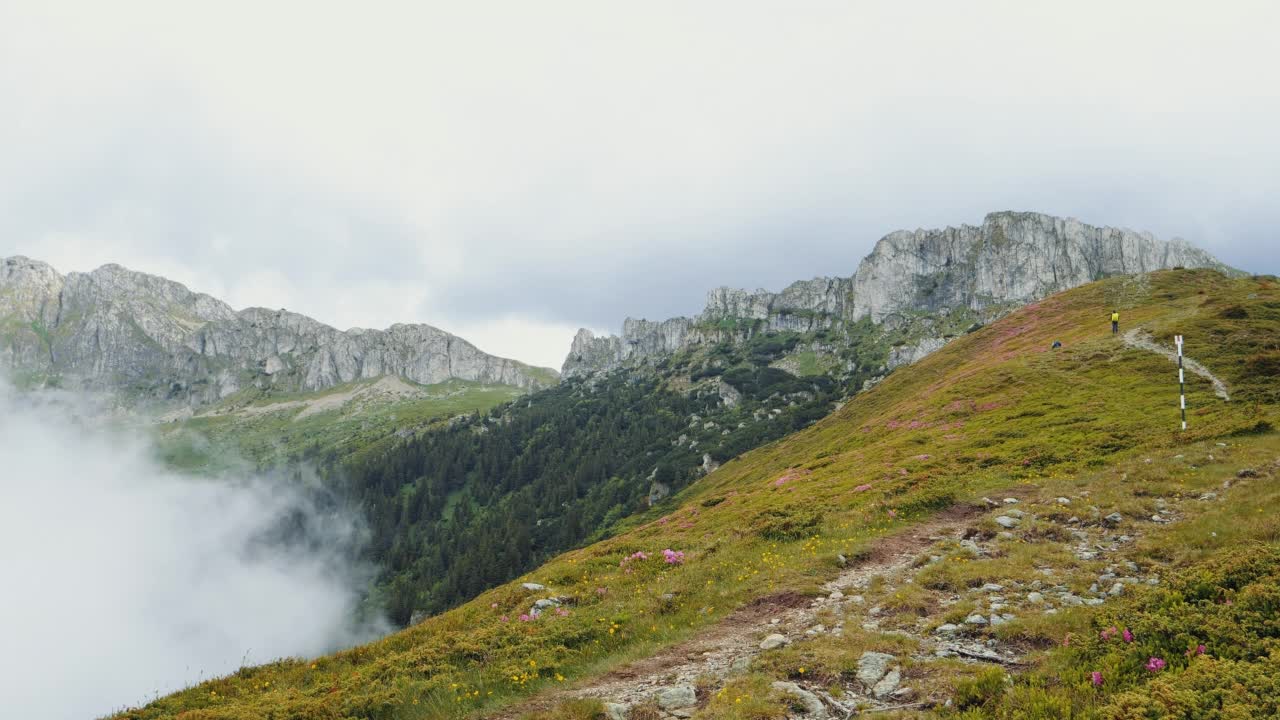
column 153, row 339
column 921, row 277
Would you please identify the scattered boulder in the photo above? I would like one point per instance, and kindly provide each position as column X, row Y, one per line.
column 1011, row 501
column 872, row 667
column 1035, row 597
column 813, row 706
column 947, row 629
column 1005, row 521
column 774, row 641
column 676, row 697
column 533, row 587
column 1114, row 518
column 888, row 684
column 616, row 711
column 975, row 619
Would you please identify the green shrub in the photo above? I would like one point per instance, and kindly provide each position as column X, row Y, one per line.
column 786, row 523
column 980, row 691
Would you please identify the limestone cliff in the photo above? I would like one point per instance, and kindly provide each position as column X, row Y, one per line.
column 1010, row 259
column 116, row 329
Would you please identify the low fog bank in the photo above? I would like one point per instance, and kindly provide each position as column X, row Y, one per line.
column 123, row 579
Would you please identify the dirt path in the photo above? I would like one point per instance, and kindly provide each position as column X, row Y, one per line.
column 731, row 643
column 1137, row 338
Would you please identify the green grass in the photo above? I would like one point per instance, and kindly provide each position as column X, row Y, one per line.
column 203, row 442
column 995, row 411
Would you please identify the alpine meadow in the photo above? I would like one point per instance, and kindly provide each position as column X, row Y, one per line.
column 599, row 361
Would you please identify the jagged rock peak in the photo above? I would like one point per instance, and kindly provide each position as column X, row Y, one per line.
column 1010, row 259
column 118, row 329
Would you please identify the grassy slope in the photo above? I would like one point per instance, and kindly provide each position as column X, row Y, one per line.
column 366, row 426
column 993, row 410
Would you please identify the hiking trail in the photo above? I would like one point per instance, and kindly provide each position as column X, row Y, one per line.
column 1137, row 338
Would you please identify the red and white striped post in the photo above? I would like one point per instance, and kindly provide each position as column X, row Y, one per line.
column 1182, row 384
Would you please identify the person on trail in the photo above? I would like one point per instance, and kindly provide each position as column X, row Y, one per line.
column 1115, row 321
column 1056, row 344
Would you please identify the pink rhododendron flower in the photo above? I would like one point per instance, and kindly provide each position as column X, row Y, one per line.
column 1096, row 678
column 601, row 590
column 1066, row 640
column 1109, row 633
column 673, row 557
column 1197, row 650
column 862, row 488
column 1127, row 635
column 893, row 513
column 1155, row 664
column 524, row 617
column 504, row 618
column 493, row 605
column 562, row 612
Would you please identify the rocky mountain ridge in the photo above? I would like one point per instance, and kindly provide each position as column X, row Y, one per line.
column 121, row 330
column 974, row 273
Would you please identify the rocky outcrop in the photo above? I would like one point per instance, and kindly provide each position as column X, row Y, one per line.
column 1012, row 258
column 116, row 329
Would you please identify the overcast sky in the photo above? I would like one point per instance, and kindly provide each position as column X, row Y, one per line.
column 512, row 171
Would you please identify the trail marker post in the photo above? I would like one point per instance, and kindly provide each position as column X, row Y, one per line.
column 1182, row 385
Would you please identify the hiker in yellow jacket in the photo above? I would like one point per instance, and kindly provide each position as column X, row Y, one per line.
column 1115, row 321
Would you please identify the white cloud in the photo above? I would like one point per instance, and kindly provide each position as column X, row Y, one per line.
column 562, row 160
column 123, row 579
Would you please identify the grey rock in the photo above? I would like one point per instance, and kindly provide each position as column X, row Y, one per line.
column 1012, row 258
column 812, row 705
column 975, row 619
column 676, row 697
column 1114, row 518
column 888, row 684
column 533, row 587
column 947, row 629
column 1005, row 521
column 616, row 711
column 115, row 329
column 1035, row 598
column 872, row 666
column 1011, row 501
column 543, row 605
column 1116, row 589
column 773, row 642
